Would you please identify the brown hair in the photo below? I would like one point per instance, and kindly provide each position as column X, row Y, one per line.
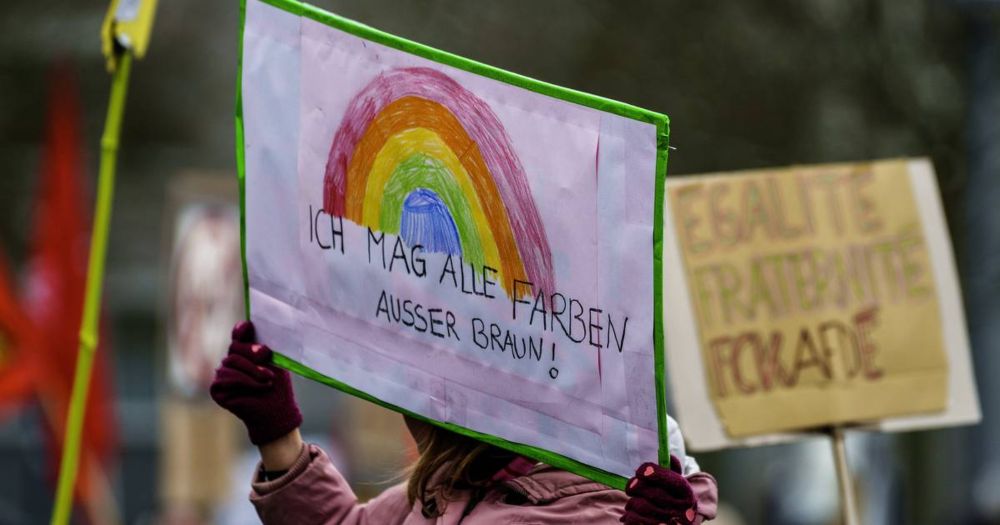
column 449, row 462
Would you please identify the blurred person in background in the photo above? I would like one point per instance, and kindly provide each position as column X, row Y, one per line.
column 454, row 477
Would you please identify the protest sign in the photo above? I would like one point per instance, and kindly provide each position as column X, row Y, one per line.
column 454, row 241
column 205, row 297
column 199, row 441
column 807, row 297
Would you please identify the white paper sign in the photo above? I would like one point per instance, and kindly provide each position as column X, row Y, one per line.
column 462, row 248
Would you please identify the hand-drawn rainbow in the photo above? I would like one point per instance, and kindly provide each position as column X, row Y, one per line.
column 418, row 155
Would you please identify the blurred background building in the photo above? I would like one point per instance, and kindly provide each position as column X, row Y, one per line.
column 754, row 83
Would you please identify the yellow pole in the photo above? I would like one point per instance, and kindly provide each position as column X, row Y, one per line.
column 92, row 299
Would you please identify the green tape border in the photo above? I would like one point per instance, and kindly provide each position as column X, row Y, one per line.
column 659, row 358
column 662, row 123
column 241, row 162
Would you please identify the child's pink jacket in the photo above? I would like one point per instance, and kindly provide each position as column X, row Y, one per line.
column 314, row 493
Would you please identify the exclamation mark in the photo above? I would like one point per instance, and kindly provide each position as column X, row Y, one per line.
column 553, row 372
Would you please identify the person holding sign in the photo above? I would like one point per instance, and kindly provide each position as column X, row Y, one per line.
column 455, row 479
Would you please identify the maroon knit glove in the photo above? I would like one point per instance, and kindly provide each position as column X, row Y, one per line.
column 253, row 389
column 660, row 496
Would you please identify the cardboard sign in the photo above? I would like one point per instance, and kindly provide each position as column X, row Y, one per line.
column 812, row 296
column 457, row 242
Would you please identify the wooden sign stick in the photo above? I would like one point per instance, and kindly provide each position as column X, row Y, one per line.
column 848, row 505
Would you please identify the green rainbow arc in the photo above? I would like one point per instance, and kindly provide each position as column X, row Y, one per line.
column 421, row 171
